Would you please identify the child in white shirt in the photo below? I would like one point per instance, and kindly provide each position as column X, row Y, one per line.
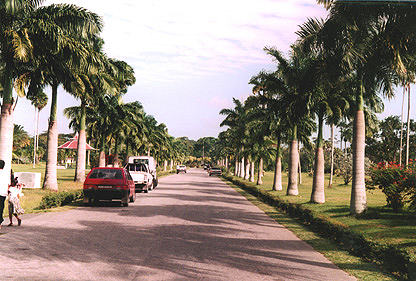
column 15, row 209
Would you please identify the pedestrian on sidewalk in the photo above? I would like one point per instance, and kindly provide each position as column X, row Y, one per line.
column 15, row 192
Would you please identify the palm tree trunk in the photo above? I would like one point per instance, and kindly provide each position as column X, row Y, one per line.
column 300, row 166
column 81, row 149
column 236, row 166
column 226, row 163
column 318, row 186
column 116, row 149
column 247, row 171
column 34, row 139
column 165, row 165
column 101, row 162
column 260, row 172
column 408, row 126
column 332, row 155
column 51, row 182
column 37, row 132
column 6, row 128
column 126, row 159
column 252, row 171
column 401, row 126
column 292, row 186
column 358, row 202
column 277, row 179
column 171, row 165
column 242, row 166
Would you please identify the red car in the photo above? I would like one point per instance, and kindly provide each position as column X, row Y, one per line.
column 108, row 184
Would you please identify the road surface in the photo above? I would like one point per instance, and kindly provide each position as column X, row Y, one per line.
column 192, row 227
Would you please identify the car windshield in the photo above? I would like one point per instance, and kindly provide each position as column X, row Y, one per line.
column 106, row 174
column 137, row 167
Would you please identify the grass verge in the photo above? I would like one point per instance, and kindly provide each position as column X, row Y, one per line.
column 391, row 258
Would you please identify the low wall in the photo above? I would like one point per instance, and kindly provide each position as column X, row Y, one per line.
column 30, row 180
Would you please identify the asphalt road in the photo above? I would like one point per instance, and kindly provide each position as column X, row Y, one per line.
column 192, row 227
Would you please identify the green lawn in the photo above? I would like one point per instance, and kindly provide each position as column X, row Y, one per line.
column 32, row 197
column 380, row 224
column 355, row 266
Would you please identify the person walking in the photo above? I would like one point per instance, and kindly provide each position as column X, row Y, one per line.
column 3, row 193
column 15, row 192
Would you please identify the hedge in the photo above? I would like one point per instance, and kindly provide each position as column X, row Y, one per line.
column 58, row 199
column 392, row 258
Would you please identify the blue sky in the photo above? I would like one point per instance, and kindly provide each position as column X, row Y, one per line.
column 190, row 56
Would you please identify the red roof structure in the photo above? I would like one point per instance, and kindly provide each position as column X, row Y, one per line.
column 73, row 144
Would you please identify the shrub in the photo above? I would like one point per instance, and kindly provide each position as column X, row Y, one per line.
column 58, row 199
column 397, row 183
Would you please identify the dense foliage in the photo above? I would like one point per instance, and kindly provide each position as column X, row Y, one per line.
column 397, row 182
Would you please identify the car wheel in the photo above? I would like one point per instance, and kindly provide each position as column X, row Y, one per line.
column 124, row 204
column 146, row 190
column 95, row 201
column 155, row 183
column 87, row 201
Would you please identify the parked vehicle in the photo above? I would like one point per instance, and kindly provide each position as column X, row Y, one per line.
column 143, row 179
column 108, row 184
column 180, row 169
column 215, row 171
column 150, row 162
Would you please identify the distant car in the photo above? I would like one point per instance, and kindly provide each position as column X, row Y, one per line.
column 206, row 166
column 180, row 169
column 214, row 171
column 109, row 184
column 143, row 179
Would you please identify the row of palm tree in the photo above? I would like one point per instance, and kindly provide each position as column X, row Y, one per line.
column 336, row 73
column 59, row 45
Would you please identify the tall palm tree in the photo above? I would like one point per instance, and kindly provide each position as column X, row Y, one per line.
column 295, row 100
column 327, row 101
column 267, row 87
column 39, row 101
column 236, row 119
column 25, row 29
column 374, row 44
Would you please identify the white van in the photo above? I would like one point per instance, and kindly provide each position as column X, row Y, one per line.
column 143, row 180
column 150, row 162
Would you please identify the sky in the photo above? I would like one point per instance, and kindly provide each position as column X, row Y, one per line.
column 190, row 57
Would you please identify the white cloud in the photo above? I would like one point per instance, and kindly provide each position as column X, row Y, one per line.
column 176, row 39
column 191, row 56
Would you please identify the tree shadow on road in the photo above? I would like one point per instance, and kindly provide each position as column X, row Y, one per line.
column 178, row 249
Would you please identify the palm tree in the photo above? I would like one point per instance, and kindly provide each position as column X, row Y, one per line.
column 295, row 100
column 374, row 44
column 327, row 100
column 107, row 77
column 39, row 101
column 134, row 127
column 26, row 30
column 236, row 119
